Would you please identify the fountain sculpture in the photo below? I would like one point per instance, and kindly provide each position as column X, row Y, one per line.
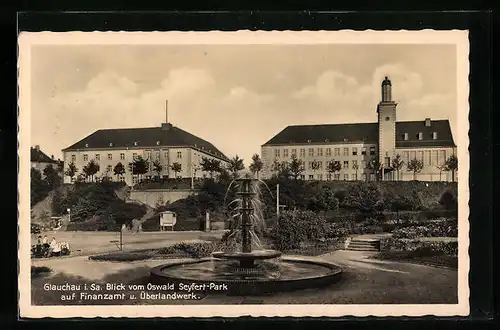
column 249, row 271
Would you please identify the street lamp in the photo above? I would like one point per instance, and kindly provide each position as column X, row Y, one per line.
column 69, row 214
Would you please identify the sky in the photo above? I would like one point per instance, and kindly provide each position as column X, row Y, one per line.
column 234, row 96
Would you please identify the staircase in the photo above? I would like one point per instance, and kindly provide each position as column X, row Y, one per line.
column 363, row 244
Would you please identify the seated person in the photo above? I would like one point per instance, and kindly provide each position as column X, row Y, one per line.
column 56, row 250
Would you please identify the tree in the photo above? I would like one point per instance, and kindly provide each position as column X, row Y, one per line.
column 51, row 176
column 119, row 170
column 415, row 166
column 296, row 167
column 397, row 164
column 364, row 197
column 210, row 165
column 276, row 167
column 374, row 166
column 39, row 187
column 441, row 168
column 139, row 167
column 176, row 167
column 157, row 168
column 91, row 169
column 235, row 165
column 256, row 165
column 356, row 168
column 71, row 171
column 315, row 165
column 334, row 167
column 451, row 165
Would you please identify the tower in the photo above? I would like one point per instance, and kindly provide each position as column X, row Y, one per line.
column 386, row 110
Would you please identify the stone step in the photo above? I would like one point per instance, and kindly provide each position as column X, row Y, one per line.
column 371, row 249
column 365, row 242
column 363, row 247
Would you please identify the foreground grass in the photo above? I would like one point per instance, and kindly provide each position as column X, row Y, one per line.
column 408, row 256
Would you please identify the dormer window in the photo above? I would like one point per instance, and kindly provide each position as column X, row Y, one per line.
column 420, row 136
column 406, row 136
column 434, row 135
column 327, row 140
column 111, row 144
column 309, row 141
column 86, row 145
column 136, row 143
column 157, row 143
column 346, row 139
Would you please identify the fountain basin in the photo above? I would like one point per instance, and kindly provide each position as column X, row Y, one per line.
column 287, row 274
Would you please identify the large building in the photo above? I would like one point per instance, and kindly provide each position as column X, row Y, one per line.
column 356, row 146
column 166, row 144
column 40, row 160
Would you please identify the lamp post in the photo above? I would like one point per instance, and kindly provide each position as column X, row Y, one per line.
column 69, row 214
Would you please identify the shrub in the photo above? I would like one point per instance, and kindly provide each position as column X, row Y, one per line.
column 295, row 227
column 447, row 228
column 364, row 197
column 422, row 248
column 448, row 200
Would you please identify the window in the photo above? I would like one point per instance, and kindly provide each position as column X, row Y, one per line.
column 337, row 176
column 136, row 143
column 302, row 152
column 406, row 157
column 320, row 176
column 285, row 153
column 310, row 165
column 109, row 168
column 311, row 177
column 157, row 143
column 276, row 153
column 320, row 165
column 122, row 178
column 346, row 177
column 320, row 151
column 311, row 152
column 346, row 164
column 134, row 156
column 406, row 137
column 158, row 156
column 73, row 158
column 337, row 152
column 354, row 178
column 413, row 155
column 85, row 158
column 363, row 164
column 434, row 135
column 111, row 144
column 428, row 158
column 363, row 176
column 294, row 152
column 346, row 151
column 110, row 156
column 302, row 177
column 329, row 177
column 134, row 179
column 179, row 154
column 435, row 159
column 442, row 155
column 97, row 157
column 149, row 155
column 363, row 151
column 420, row 136
column 420, row 156
column 122, row 156
column 328, row 152
column 372, row 151
column 354, row 163
column 354, row 151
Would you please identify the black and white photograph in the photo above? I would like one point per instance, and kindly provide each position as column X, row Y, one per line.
column 167, row 174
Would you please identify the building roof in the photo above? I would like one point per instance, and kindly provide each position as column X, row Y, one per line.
column 149, row 137
column 38, row 156
column 367, row 133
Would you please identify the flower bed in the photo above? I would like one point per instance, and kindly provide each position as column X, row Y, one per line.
column 420, row 247
column 447, row 228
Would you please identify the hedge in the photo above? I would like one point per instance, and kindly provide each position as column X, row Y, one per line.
column 419, row 247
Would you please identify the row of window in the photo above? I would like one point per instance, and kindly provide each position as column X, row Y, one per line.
column 420, row 136
column 319, row 164
column 428, row 157
column 122, row 156
column 329, row 177
column 311, row 152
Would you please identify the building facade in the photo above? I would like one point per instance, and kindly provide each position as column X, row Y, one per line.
column 165, row 145
column 365, row 151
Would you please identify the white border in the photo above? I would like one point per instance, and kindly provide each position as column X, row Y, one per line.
column 28, row 39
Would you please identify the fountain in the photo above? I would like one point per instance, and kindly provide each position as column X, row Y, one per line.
column 249, row 271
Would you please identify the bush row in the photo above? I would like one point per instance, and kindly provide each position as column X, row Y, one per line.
column 447, row 228
column 419, row 247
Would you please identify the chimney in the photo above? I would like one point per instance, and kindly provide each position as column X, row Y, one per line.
column 166, row 111
column 37, row 147
column 52, row 156
column 427, row 122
